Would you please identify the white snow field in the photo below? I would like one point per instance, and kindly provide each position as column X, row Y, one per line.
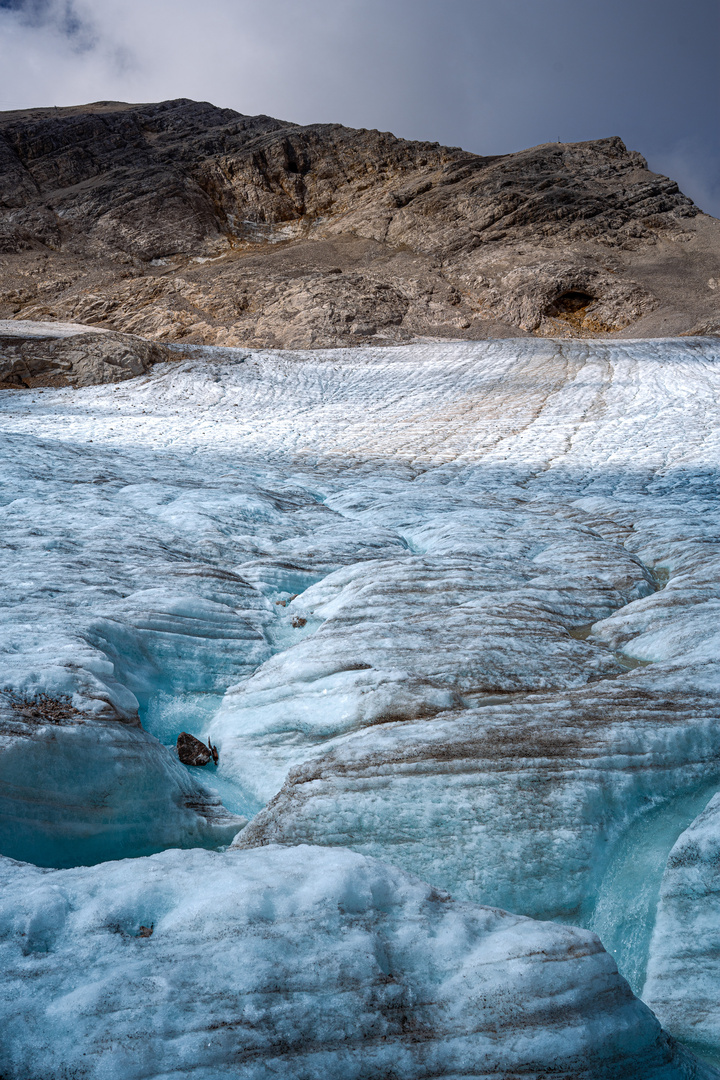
column 448, row 610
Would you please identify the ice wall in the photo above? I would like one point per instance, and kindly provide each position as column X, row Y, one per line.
column 76, row 790
column 684, row 963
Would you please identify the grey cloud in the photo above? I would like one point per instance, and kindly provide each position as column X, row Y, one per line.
column 60, row 15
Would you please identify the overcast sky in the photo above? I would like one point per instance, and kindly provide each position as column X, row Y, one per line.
column 488, row 75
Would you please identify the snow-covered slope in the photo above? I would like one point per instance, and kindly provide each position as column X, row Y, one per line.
column 453, row 606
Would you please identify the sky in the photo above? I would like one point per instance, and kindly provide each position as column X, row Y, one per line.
column 492, row 76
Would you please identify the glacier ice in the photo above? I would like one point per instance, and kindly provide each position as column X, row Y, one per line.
column 496, row 623
column 76, row 790
column 684, row 960
column 518, row 804
column 302, row 962
column 453, row 606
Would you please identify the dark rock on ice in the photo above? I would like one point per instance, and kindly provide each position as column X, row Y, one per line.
column 193, row 752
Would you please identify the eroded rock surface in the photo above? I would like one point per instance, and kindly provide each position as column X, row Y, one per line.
column 36, row 354
column 184, row 222
column 191, row 751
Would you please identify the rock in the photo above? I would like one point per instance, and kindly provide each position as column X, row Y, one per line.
column 180, row 221
column 303, row 962
column 38, row 354
column 193, row 752
column 560, row 299
column 709, row 328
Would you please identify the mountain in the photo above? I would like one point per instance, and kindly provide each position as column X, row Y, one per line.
column 182, row 221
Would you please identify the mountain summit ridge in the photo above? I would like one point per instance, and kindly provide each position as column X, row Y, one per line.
column 186, row 222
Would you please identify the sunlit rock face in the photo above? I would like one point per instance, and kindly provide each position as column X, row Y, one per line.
column 453, row 607
column 302, row 962
column 184, row 222
column 35, row 354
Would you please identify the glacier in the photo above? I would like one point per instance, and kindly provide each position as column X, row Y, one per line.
column 302, row 962
column 683, row 966
column 449, row 612
column 78, row 790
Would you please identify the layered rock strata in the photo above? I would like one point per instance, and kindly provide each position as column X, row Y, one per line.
column 184, row 222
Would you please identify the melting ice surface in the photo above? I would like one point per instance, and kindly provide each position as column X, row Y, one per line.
column 165, row 715
column 452, row 606
column 623, row 910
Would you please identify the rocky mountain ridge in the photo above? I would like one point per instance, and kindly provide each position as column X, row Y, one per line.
column 185, row 222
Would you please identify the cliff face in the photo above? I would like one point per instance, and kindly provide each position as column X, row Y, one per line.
column 184, row 221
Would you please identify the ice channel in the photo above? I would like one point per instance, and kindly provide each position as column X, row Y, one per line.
column 625, row 906
column 165, row 715
column 621, row 909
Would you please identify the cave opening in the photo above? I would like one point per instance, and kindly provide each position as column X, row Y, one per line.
column 569, row 303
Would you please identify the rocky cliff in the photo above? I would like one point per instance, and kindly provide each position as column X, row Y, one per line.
column 187, row 222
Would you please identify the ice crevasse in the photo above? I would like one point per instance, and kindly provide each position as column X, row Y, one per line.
column 449, row 613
